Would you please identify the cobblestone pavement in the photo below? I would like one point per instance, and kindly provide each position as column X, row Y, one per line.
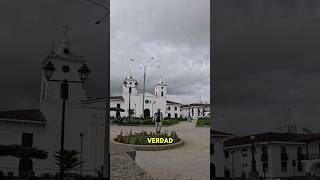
column 191, row 161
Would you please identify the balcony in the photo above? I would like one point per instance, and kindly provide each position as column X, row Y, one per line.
column 310, row 156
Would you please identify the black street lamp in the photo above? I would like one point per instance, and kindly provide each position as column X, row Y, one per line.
column 81, row 145
column 106, row 170
column 129, row 104
column 48, row 70
column 254, row 175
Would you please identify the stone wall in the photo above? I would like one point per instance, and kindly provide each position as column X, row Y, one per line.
column 123, row 165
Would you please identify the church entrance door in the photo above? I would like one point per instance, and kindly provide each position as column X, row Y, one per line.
column 147, row 113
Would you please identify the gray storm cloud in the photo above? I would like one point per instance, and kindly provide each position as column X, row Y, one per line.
column 266, row 54
column 176, row 33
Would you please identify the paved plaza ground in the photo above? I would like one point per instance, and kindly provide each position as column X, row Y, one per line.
column 191, row 161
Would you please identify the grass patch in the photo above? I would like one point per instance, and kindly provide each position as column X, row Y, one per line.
column 203, row 122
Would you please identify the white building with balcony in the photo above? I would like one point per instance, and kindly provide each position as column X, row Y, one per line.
column 195, row 110
column 312, row 155
column 276, row 154
column 217, row 161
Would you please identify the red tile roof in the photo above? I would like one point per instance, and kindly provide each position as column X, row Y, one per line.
column 214, row 132
column 30, row 115
column 265, row 137
column 116, row 97
column 171, row 102
column 310, row 137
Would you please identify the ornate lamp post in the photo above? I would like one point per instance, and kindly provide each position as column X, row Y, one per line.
column 81, row 144
column 106, row 169
column 152, row 103
column 48, row 71
column 129, row 104
column 253, row 175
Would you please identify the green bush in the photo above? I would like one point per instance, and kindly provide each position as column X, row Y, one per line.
column 140, row 138
column 203, row 122
column 146, row 121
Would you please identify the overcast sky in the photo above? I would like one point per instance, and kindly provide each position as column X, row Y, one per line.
column 27, row 32
column 175, row 32
column 266, row 54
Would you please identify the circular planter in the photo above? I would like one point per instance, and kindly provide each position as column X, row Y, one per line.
column 152, row 147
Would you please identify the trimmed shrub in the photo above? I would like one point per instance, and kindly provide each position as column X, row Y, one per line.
column 203, row 122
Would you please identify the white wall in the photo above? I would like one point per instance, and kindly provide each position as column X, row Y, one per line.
column 218, row 155
column 243, row 164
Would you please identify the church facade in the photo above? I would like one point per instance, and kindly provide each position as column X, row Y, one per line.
column 41, row 128
column 152, row 102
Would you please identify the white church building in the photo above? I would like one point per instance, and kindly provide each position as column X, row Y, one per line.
column 41, row 128
column 130, row 96
column 152, row 102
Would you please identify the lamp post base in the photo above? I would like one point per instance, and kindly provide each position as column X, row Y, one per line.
column 253, row 176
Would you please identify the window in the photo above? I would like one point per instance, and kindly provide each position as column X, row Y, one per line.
column 169, row 115
column 175, row 108
column 27, row 139
column 176, row 115
column 192, row 111
column 169, row 108
column 264, row 155
column 284, row 166
column 299, row 153
column 265, row 166
column 161, row 93
column 161, row 87
column 300, row 166
column 227, row 173
column 212, row 148
column 283, row 152
column 244, row 152
column 118, row 105
column 226, row 154
column 198, row 112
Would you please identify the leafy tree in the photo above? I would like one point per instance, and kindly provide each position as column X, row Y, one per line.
column 70, row 159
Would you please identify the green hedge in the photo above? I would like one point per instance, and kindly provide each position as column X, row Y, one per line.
column 140, row 138
column 146, row 121
column 203, row 122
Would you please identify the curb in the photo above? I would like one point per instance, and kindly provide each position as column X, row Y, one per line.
column 152, row 147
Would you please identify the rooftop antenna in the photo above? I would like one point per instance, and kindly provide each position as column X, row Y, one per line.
column 130, row 72
column 66, row 29
column 285, row 114
column 289, row 116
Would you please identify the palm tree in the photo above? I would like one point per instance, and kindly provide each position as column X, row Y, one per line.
column 70, row 159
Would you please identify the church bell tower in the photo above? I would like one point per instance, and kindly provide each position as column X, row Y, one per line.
column 63, row 64
column 128, row 84
column 160, row 88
